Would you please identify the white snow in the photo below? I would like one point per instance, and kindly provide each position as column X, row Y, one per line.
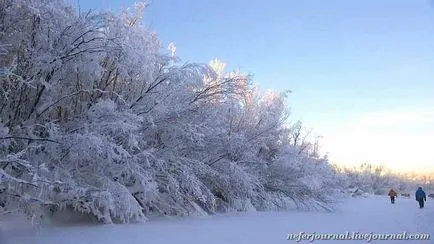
column 364, row 215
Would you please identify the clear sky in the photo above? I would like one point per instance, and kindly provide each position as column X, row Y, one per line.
column 361, row 72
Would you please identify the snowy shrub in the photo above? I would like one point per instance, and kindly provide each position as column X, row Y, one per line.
column 94, row 120
column 308, row 182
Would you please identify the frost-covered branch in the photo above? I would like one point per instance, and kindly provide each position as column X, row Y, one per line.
column 27, row 138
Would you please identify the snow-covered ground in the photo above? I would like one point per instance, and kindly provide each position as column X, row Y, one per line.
column 363, row 215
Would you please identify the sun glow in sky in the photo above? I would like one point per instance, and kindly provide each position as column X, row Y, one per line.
column 361, row 72
column 400, row 139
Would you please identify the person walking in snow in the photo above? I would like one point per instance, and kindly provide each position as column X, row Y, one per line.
column 420, row 197
column 392, row 195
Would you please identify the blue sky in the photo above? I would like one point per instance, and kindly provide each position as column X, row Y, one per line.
column 349, row 64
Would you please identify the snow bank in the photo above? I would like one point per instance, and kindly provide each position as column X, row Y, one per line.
column 364, row 215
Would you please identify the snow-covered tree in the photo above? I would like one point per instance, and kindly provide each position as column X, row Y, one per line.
column 94, row 119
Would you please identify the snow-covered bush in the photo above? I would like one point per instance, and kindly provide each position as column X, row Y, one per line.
column 94, row 120
column 369, row 179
